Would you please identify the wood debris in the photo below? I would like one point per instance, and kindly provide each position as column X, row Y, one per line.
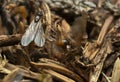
column 59, row 41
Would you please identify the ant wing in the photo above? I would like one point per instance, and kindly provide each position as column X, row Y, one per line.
column 30, row 33
column 40, row 36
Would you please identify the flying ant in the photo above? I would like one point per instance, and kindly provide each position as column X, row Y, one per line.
column 34, row 32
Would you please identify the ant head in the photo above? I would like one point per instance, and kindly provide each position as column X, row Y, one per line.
column 40, row 13
column 38, row 16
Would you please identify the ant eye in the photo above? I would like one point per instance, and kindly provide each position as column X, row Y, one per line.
column 40, row 13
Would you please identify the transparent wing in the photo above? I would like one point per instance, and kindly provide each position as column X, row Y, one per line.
column 30, row 33
column 39, row 38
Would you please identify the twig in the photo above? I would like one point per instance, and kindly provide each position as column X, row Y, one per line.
column 59, row 69
column 106, row 77
column 7, row 40
column 58, row 75
column 104, row 29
